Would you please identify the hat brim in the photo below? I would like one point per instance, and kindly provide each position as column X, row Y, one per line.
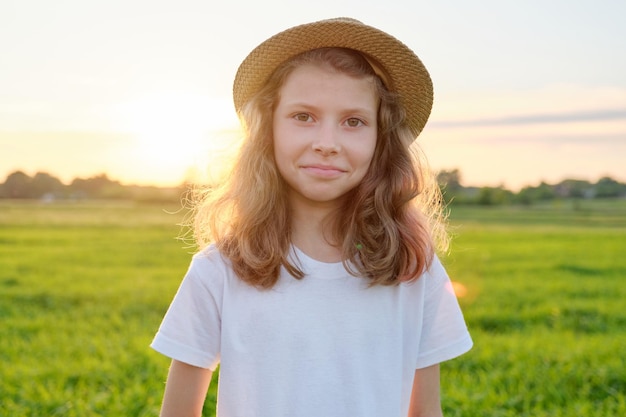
column 407, row 75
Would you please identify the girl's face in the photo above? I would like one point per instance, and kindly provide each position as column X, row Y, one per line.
column 325, row 130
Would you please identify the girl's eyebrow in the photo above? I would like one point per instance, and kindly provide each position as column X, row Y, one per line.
column 349, row 110
column 299, row 104
column 361, row 110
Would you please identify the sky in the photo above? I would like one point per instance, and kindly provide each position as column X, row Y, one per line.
column 141, row 89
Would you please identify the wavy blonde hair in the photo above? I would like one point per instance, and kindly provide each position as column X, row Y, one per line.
column 387, row 226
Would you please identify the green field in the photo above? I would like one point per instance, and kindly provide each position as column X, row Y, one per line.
column 83, row 288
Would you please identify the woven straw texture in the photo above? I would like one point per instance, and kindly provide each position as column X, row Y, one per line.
column 407, row 75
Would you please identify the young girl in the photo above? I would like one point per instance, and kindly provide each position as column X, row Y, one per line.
column 316, row 288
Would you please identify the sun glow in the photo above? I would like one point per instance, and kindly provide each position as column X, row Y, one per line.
column 457, row 289
column 174, row 134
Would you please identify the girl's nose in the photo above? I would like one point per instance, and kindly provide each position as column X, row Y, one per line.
column 327, row 141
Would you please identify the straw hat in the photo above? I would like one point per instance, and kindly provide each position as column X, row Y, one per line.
column 403, row 72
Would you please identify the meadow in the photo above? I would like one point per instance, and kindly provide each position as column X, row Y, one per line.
column 84, row 285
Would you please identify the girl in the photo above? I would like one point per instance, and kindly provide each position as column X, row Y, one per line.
column 317, row 289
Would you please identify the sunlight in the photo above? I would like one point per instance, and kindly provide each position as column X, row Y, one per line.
column 457, row 289
column 173, row 133
column 168, row 128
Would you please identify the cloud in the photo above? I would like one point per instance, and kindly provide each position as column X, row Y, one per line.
column 607, row 141
column 532, row 119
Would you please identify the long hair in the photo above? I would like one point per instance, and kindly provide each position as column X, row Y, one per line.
column 387, row 225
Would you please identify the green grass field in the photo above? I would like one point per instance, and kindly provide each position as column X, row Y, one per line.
column 83, row 288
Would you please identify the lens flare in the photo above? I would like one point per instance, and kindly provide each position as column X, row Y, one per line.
column 457, row 289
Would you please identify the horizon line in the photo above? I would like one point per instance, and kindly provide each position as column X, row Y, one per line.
column 183, row 182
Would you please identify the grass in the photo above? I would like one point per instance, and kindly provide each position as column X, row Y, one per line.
column 84, row 286
column 545, row 308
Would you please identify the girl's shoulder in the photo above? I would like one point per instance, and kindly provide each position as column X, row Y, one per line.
column 434, row 276
column 211, row 254
column 210, row 266
column 436, row 269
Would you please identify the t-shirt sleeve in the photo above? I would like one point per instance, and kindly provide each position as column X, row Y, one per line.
column 191, row 329
column 444, row 332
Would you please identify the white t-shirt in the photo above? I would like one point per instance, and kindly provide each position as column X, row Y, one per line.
column 326, row 345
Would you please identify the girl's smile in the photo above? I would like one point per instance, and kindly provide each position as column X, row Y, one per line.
column 325, row 132
column 324, row 171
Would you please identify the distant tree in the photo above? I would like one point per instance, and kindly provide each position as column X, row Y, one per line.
column 544, row 192
column 571, row 188
column 44, row 183
column 524, row 196
column 95, row 187
column 450, row 179
column 450, row 184
column 607, row 187
column 17, row 185
column 530, row 195
column 488, row 196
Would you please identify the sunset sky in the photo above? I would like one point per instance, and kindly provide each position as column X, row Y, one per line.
column 524, row 91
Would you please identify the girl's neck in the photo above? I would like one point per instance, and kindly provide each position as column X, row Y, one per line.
column 311, row 234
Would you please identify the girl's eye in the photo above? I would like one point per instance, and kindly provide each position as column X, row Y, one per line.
column 354, row 122
column 302, row 117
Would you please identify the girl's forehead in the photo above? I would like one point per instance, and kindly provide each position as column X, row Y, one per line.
column 312, row 80
column 324, row 69
column 323, row 73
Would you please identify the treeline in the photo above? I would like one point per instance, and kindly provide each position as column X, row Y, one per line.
column 43, row 186
column 455, row 193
